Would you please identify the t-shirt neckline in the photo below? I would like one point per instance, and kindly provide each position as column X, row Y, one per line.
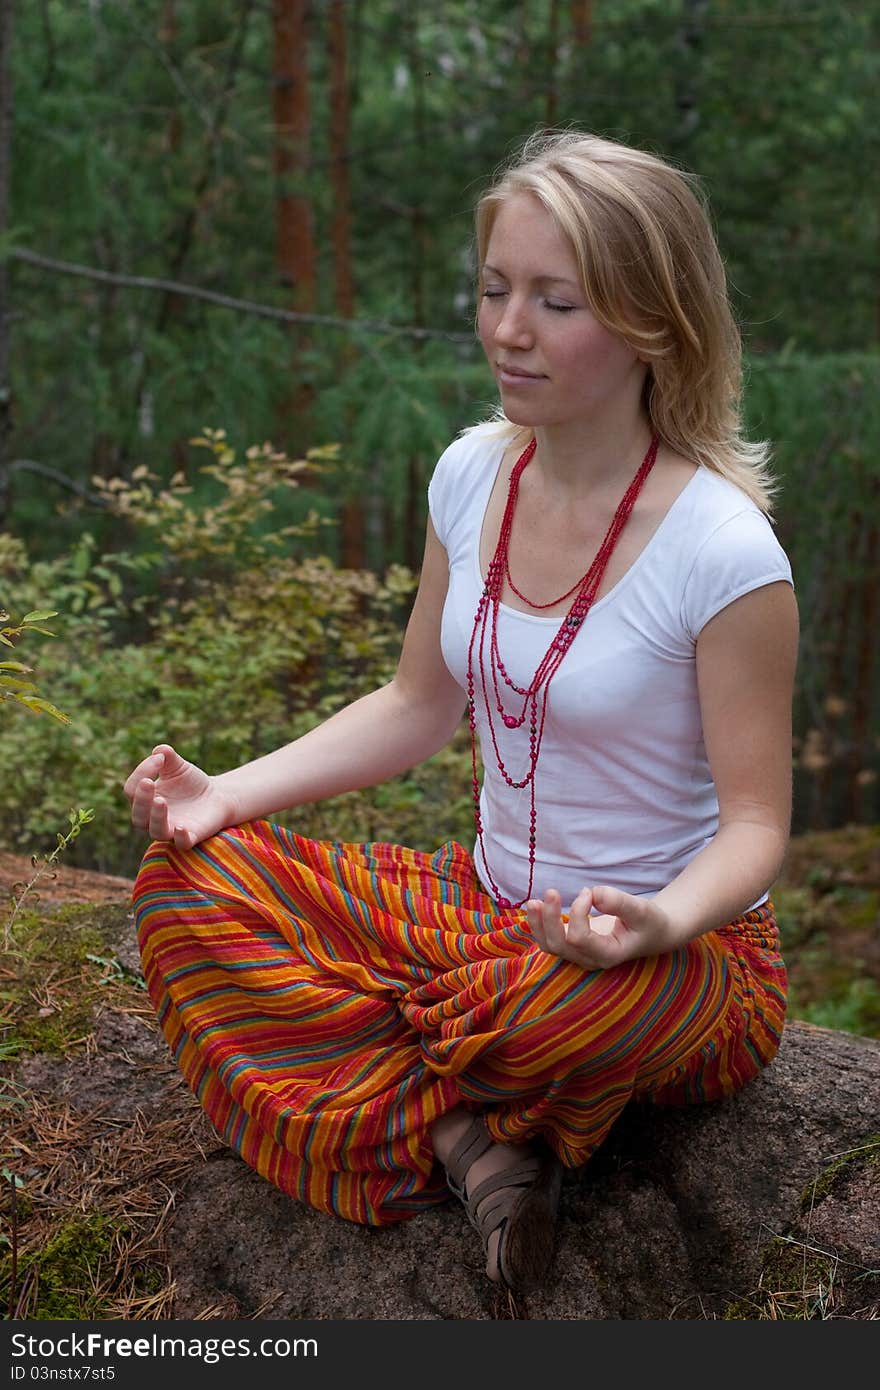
column 622, row 581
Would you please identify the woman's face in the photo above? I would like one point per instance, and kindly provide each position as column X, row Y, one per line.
column 553, row 361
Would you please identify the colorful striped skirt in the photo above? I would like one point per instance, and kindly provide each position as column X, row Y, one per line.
column 327, row 1002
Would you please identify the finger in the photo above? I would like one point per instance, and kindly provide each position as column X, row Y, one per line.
column 173, row 762
column 160, row 821
column 148, row 767
column 579, row 922
column 613, row 902
column 535, row 918
column 554, row 927
column 142, row 803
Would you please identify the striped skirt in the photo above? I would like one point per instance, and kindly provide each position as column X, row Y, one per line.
column 327, row 1002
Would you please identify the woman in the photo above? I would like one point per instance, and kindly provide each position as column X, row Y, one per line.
column 371, row 1026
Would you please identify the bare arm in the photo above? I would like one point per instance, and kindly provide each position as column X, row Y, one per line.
column 746, row 660
column 374, row 738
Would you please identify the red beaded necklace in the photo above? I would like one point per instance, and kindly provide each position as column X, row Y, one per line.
column 536, row 694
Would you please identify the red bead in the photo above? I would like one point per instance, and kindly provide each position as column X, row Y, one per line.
column 585, row 591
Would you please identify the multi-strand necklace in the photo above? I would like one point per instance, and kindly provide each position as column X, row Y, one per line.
column 484, row 656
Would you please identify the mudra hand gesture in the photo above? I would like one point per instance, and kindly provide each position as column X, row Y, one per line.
column 627, row 927
column 172, row 799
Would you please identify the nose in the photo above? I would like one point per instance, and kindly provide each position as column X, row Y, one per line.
column 513, row 329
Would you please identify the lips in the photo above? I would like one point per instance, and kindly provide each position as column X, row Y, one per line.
column 507, row 370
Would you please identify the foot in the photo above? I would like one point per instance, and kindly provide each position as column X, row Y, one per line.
column 491, row 1213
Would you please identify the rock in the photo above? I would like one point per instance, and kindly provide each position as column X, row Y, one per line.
column 682, row 1214
column 667, row 1221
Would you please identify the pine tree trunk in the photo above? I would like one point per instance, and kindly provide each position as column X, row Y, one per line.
column 689, row 40
column 352, row 528
column 864, row 701
column 5, row 307
column 552, row 101
column 295, row 243
column 582, row 22
column 413, row 509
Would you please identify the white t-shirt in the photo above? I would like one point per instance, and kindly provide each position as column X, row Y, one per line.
column 623, row 789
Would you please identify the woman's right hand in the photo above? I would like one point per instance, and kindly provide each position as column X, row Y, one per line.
column 172, row 799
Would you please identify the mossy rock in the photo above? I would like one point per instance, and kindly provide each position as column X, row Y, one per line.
column 867, row 1155
column 805, row 1277
column 59, row 967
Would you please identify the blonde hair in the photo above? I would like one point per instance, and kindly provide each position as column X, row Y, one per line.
column 652, row 274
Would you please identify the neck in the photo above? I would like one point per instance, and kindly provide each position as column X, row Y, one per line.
column 576, row 457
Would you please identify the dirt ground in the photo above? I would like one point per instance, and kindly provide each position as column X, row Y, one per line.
column 60, row 884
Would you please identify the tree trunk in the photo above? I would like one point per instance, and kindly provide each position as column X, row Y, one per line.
column 413, row 509
column 689, row 40
column 863, row 688
column 295, row 242
column 181, row 241
column 552, row 103
column 582, row 22
column 340, row 157
column 352, row 525
column 5, row 308
column 169, row 33
column 523, row 45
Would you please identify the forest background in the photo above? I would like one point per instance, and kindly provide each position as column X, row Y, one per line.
column 236, row 309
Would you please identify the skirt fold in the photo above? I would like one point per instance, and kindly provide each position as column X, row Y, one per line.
column 327, row 1002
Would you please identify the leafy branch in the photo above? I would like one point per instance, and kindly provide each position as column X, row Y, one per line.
column 14, row 684
column 43, row 863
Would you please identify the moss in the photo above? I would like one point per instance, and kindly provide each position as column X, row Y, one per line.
column 49, row 968
column 846, row 1164
column 797, row 1280
column 68, row 1268
column 794, row 1286
column 743, row 1310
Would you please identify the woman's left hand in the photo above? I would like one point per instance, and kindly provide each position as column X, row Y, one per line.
column 627, row 927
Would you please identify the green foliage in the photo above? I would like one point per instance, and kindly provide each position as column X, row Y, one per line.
column 828, row 905
column 24, row 693
column 157, row 140
column 43, row 864
column 823, row 416
column 12, row 687
column 855, row 1010
column 71, row 1265
column 236, row 646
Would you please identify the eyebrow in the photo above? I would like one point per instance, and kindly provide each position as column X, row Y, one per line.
column 536, row 279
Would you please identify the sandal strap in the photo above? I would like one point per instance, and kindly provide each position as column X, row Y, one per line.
column 471, row 1146
column 506, row 1188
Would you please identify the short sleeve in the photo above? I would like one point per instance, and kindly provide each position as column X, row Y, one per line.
column 460, row 470
column 438, row 496
column 740, row 555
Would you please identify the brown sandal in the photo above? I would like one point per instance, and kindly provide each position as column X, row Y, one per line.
column 525, row 1199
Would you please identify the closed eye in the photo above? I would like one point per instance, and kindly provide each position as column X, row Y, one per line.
column 548, row 303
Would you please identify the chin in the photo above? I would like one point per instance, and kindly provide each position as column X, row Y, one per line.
column 517, row 413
